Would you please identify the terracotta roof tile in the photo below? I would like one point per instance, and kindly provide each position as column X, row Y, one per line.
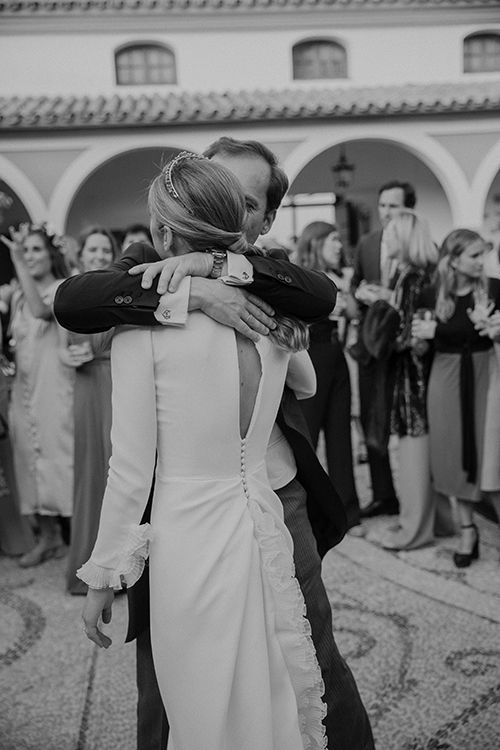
column 149, row 110
column 140, row 7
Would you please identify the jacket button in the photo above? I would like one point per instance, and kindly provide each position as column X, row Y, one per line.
column 127, row 300
column 288, row 279
column 118, row 299
column 281, row 277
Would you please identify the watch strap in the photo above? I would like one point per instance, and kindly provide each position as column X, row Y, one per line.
column 219, row 257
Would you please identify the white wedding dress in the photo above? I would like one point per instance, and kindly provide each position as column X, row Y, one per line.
column 232, row 649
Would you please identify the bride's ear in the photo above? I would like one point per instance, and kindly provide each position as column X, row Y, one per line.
column 168, row 241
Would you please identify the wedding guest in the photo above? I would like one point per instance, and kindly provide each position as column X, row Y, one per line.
column 41, row 410
column 89, row 354
column 136, row 233
column 490, row 477
column 16, row 535
column 410, row 244
column 319, row 248
column 370, row 277
column 459, row 379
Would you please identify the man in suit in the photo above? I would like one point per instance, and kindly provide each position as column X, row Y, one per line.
column 316, row 520
column 373, row 267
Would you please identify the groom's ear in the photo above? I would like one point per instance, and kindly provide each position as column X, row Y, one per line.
column 268, row 221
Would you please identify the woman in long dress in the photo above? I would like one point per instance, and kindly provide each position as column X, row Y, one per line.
column 90, row 353
column 409, row 244
column 41, row 409
column 16, row 535
column 459, row 379
column 232, row 648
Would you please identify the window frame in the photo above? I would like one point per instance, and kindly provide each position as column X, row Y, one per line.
column 334, row 42
column 143, row 46
column 484, row 35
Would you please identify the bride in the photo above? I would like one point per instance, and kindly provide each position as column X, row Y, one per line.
column 195, row 407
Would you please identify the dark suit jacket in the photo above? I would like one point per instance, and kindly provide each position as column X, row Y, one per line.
column 99, row 300
column 367, row 260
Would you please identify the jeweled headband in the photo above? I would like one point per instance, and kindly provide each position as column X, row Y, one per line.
column 168, row 175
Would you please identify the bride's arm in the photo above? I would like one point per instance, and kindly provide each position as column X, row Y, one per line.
column 122, row 543
column 301, row 377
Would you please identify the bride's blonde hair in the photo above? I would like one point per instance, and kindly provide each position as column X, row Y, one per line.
column 203, row 203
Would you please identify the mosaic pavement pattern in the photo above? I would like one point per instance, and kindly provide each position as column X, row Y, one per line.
column 422, row 639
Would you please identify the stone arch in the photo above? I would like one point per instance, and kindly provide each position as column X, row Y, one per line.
column 26, row 193
column 86, row 168
column 485, row 188
column 423, row 154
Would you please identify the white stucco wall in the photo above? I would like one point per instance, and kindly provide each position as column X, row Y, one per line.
column 83, row 63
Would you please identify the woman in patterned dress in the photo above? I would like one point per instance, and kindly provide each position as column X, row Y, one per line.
column 410, row 244
column 41, row 409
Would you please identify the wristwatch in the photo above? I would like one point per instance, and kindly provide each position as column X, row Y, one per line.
column 219, row 257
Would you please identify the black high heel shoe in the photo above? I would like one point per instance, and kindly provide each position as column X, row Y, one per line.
column 464, row 559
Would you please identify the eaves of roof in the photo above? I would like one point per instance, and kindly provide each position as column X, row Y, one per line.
column 33, row 8
column 42, row 113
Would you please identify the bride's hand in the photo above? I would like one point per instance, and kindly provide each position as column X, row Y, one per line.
column 172, row 270
column 97, row 603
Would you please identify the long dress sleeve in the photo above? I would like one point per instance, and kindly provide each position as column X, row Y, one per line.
column 122, row 543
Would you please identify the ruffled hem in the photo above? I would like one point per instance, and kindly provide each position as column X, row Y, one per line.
column 130, row 564
column 297, row 645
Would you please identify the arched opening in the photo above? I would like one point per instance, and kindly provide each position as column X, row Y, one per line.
column 491, row 217
column 375, row 163
column 144, row 63
column 482, row 52
column 12, row 213
column 114, row 195
column 319, row 59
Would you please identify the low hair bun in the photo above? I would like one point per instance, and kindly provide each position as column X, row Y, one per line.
column 240, row 245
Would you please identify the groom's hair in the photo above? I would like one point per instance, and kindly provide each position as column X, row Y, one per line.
column 278, row 181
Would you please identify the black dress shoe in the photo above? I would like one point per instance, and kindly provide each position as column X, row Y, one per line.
column 381, row 508
column 464, row 559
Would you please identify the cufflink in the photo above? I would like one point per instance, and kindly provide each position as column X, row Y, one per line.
column 166, row 314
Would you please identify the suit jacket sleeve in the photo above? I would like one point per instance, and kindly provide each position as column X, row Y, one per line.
column 358, row 274
column 98, row 300
column 292, row 290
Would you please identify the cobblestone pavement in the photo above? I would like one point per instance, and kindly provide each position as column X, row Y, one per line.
column 422, row 638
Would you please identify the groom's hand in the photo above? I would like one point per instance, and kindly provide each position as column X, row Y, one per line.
column 172, row 270
column 231, row 306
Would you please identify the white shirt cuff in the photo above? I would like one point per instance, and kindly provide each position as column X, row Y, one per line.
column 172, row 308
column 239, row 270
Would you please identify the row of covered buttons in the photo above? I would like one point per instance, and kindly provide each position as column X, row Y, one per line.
column 119, row 300
column 242, row 464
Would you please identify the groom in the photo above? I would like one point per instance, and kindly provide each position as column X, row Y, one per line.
column 313, row 512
